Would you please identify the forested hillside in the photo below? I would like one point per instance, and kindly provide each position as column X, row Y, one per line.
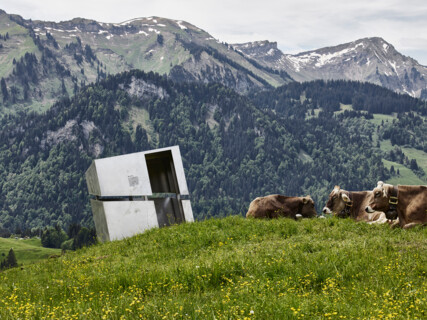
column 294, row 140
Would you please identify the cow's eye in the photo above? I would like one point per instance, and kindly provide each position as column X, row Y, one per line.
column 334, row 197
column 377, row 194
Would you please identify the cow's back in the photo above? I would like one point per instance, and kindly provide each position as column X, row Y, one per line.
column 271, row 206
column 412, row 205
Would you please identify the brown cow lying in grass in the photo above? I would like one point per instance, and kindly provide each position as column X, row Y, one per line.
column 343, row 204
column 276, row 205
column 406, row 203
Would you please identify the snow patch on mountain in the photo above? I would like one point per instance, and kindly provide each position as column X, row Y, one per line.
column 153, row 30
column 271, row 52
column 385, row 46
column 393, row 64
column 179, row 23
column 321, row 59
column 124, row 23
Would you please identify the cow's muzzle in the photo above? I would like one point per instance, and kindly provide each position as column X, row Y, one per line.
column 368, row 209
column 326, row 210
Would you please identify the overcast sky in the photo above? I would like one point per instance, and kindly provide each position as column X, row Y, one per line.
column 296, row 25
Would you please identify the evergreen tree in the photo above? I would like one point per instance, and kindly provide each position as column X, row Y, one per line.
column 4, row 91
column 14, row 91
column 84, row 238
column 414, row 165
column 53, row 237
column 160, row 39
column 11, row 261
column 63, row 88
column 73, row 230
column 141, row 140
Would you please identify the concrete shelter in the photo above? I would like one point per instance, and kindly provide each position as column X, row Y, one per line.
column 138, row 191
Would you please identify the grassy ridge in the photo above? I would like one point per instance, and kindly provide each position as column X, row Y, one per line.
column 26, row 250
column 232, row 268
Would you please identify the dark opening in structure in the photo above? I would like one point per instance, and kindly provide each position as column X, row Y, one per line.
column 163, row 181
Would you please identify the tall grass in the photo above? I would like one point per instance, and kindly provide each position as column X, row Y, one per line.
column 232, row 268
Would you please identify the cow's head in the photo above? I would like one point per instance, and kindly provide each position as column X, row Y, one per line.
column 380, row 200
column 308, row 210
column 337, row 202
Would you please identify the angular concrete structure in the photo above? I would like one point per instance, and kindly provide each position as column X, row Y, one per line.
column 138, row 191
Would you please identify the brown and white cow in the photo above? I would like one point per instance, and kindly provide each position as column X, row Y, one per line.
column 407, row 203
column 343, row 204
column 276, row 205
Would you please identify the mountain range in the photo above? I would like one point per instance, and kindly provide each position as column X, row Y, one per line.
column 370, row 60
column 41, row 60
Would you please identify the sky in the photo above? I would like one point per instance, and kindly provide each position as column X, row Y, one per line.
column 296, row 25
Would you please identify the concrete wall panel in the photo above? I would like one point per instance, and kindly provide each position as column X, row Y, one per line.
column 116, row 220
column 188, row 211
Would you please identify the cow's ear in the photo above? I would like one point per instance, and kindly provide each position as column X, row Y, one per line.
column 345, row 197
column 380, row 184
column 304, row 200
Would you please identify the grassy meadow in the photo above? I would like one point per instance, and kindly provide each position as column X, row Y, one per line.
column 26, row 250
column 231, row 268
column 406, row 177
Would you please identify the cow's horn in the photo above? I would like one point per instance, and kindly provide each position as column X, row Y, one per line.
column 345, row 197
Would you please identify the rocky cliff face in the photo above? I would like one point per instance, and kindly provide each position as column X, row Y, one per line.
column 370, row 59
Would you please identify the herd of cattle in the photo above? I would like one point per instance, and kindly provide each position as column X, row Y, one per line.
column 397, row 205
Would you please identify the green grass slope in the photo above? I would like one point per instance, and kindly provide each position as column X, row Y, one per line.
column 412, row 153
column 406, row 176
column 26, row 250
column 232, row 268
